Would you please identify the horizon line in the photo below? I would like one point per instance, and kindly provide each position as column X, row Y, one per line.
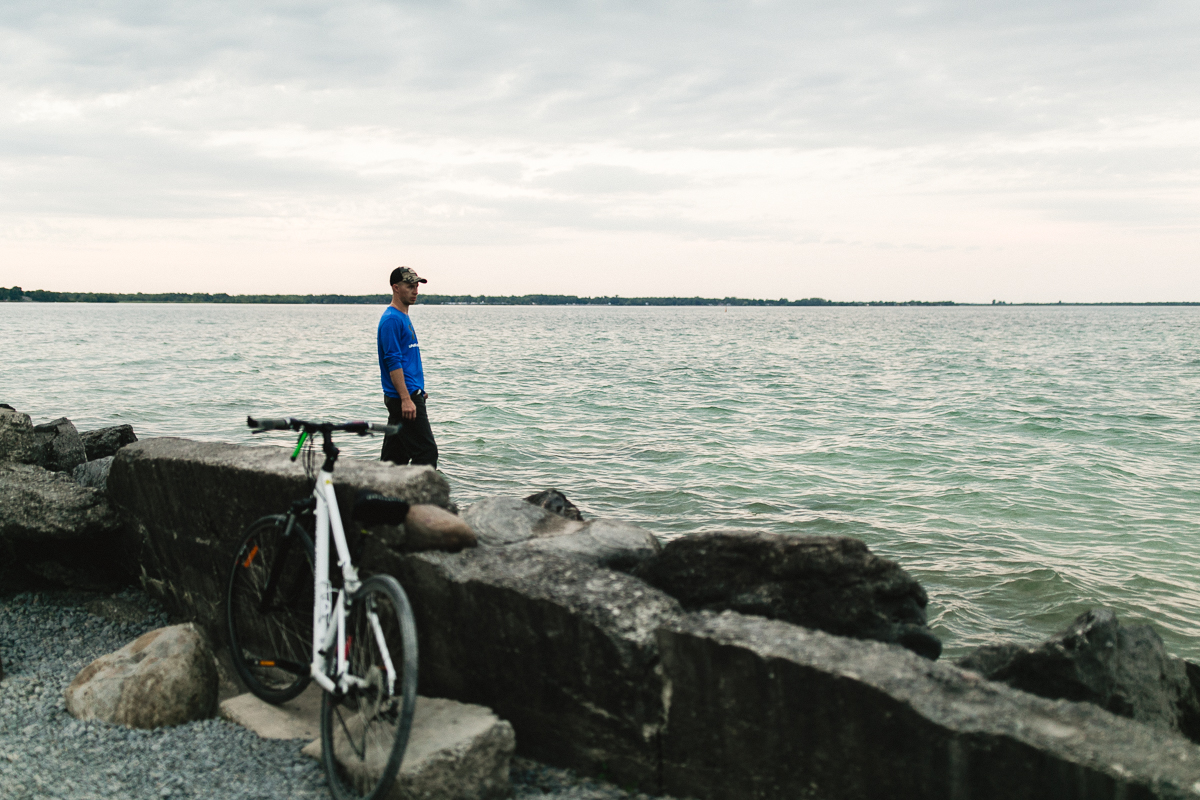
column 16, row 294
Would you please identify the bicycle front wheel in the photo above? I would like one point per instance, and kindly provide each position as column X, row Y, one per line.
column 269, row 607
column 364, row 730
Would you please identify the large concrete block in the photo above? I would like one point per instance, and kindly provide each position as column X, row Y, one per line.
column 185, row 505
column 564, row 650
column 764, row 709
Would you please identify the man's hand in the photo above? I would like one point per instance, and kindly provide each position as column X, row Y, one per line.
column 408, row 409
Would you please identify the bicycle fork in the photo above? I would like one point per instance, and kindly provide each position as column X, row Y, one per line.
column 329, row 617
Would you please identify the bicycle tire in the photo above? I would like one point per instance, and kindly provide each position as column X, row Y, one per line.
column 270, row 638
column 364, row 732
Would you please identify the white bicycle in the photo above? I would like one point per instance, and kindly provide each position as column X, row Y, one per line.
column 292, row 619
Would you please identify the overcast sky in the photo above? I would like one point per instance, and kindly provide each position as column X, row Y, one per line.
column 1017, row 150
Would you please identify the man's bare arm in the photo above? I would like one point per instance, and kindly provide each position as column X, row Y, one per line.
column 408, row 409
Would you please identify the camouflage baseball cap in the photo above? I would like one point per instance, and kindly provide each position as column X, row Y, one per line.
column 406, row 275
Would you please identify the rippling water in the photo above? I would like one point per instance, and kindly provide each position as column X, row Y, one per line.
column 1023, row 463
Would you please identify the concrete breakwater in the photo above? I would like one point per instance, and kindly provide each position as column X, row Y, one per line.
column 602, row 671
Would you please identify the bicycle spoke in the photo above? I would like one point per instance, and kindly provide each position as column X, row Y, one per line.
column 270, row 610
column 364, row 729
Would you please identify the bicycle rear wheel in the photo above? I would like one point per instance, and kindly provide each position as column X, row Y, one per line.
column 269, row 607
column 364, row 731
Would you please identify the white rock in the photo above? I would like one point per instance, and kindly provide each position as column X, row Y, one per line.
column 299, row 718
column 456, row 751
column 165, row 677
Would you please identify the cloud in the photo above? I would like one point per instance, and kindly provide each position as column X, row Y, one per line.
column 523, row 121
column 609, row 179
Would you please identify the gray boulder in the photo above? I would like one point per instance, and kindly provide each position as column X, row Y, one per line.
column 499, row 521
column 828, row 583
column 604, row 542
column 53, row 445
column 40, row 506
column 53, row 529
column 509, row 522
column 18, row 444
column 107, row 441
column 1124, row 669
column 93, row 473
column 62, row 448
column 165, row 677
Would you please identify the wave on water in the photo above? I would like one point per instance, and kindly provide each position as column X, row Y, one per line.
column 1023, row 464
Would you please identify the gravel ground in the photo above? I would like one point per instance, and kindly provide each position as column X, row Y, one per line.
column 47, row 637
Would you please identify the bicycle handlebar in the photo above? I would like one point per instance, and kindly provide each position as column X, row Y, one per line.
column 269, row 424
column 361, row 427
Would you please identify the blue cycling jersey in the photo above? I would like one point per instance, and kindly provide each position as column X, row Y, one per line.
column 398, row 349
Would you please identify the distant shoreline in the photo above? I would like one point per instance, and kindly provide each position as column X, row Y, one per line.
column 16, row 294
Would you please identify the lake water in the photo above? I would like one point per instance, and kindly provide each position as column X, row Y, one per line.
column 1024, row 464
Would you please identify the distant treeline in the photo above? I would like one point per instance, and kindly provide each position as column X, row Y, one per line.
column 40, row 296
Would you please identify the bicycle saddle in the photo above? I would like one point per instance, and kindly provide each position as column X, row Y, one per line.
column 372, row 508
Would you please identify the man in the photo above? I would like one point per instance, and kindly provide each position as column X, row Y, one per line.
column 402, row 376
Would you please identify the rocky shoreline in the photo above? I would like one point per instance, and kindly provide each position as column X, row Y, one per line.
column 722, row 665
column 46, row 637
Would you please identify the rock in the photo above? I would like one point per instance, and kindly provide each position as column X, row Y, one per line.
column 763, row 709
column 499, row 521
column 1124, row 669
column 18, row 443
column 186, row 506
column 14, row 578
column 107, row 441
column 829, row 583
column 298, row 718
column 456, row 751
column 562, row 649
column 508, row 522
column 55, row 446
column 556, row 501
column 116, row 609
column 425, row 527
column 39, row 506
column 69, row 569
column 165, row 677
column 62, row 449
column 429, row 527
column 54, row 530
column 604, row 542
column 93, row 473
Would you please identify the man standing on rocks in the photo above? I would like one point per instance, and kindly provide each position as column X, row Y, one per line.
column 403, row 378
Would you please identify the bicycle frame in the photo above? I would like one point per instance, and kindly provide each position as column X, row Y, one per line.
column 329, row 616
